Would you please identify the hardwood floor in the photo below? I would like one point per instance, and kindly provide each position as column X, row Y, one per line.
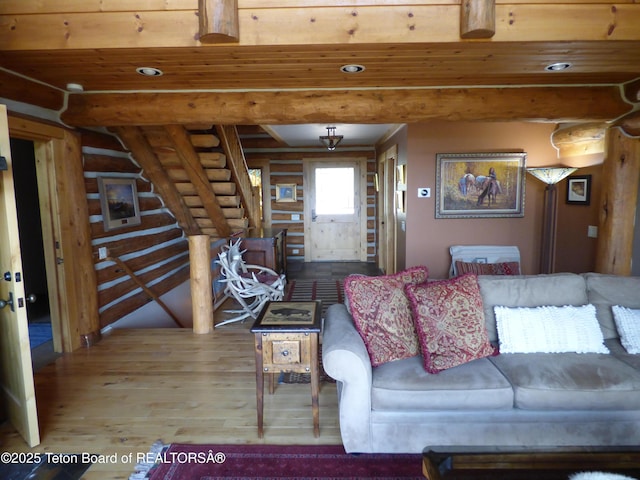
column 138, row 386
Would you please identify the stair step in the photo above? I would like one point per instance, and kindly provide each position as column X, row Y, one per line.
column 213, row 174
column 193, row 201
column 234, row 223
column 199, row 212
column 213, row 159
column 204, row 140
column 219, row 188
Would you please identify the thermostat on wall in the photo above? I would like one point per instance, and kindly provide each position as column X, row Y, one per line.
column 424, row 192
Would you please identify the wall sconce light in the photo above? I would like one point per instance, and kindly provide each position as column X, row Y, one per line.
column 331, row 140
column 551, row 176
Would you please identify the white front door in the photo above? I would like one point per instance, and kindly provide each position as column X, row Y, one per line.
column 16, row 373
column 335, row 211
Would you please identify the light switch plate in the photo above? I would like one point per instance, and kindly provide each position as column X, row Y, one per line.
column 424, row 192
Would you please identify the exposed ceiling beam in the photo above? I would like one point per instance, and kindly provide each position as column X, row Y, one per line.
column 553, row 104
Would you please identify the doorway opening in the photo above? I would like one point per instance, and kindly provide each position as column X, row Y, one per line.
column 31, row 245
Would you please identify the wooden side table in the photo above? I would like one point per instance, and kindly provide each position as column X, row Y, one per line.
column 286, row 340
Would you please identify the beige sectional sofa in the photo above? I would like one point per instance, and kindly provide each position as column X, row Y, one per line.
column 512, row 399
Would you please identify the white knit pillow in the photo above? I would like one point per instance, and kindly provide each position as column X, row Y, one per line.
column 549, row 329
column 628, row 325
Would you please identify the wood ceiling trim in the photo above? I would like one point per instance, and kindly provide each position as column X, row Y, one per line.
column 319, row 25
column 557, row 104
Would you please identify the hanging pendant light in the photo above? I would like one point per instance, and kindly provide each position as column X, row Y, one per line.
column 331, row 140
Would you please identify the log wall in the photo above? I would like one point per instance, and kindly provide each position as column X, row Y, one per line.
column 288, row 167
column 156, row 250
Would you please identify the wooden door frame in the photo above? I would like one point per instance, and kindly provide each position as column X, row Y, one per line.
column 73, row 292
column 387, row 219
column 362, row 204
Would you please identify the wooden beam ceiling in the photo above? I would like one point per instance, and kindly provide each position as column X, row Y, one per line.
column 350, row 106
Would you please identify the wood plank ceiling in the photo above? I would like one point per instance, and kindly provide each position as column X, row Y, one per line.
column 289, row 50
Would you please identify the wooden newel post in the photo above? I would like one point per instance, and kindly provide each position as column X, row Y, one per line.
column 201, row 288
column 218, row 21
column 477, row 18
column 620, row 173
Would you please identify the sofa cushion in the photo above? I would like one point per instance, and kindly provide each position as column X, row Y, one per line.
column 382, row 315
column 570, row 381
column 450, row 322
column 607, row 290
column 405, row 386
column 617, row 350
column 529, row 291
column 628, row 326
column 501, row 268
column 548, row 329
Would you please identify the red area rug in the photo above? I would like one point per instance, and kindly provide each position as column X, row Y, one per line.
column 245, row 462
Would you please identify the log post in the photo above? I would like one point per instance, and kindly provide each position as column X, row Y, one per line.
column 218, row 21
column 620, row 174
column 201, row 288
column 477, row 18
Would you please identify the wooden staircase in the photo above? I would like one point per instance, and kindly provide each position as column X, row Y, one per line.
column 201, row 174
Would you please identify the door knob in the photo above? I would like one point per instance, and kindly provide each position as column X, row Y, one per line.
column 31, row 298
column 9, row 301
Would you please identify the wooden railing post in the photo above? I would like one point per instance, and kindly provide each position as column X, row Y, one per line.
column 201, row 287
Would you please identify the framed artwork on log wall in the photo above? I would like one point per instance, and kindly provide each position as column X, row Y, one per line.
column 475, row 185
column 119, row 202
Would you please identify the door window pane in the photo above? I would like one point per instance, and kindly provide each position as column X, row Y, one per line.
column 335, row 191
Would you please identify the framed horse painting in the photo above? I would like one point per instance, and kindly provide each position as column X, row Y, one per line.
column 475, row 185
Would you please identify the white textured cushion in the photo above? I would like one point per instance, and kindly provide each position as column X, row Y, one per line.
column 549, row 329
column 628, row 325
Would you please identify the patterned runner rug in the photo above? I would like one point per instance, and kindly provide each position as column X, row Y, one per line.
column 327, row 291
column 234, row 462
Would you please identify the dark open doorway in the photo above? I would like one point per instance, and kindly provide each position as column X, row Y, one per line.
column 31, row 245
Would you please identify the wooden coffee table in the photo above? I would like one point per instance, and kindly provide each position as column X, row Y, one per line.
column 286, row 340
column 437, row 461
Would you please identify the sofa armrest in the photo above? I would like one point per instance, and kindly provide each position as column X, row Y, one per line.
column 345, row 358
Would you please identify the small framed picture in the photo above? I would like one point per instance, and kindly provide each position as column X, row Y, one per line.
column 579, row 190
column 285, row 192
column 119, row 202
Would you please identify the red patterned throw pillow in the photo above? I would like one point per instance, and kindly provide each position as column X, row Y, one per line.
column 382, row 315
column 449, row 320
column 502, row 268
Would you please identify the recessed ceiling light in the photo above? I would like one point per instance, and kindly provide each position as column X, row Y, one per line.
column 149, row 71
column 557, row 67
column 352, row 68
column 75, row 87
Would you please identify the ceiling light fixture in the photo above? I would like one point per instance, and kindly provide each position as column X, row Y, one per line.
column 149, row 71
column 352, row 68
column 557, row 67
column 331, row 140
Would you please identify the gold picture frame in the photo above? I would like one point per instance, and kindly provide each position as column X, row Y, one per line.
column 480, row 185
column 286, row 192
